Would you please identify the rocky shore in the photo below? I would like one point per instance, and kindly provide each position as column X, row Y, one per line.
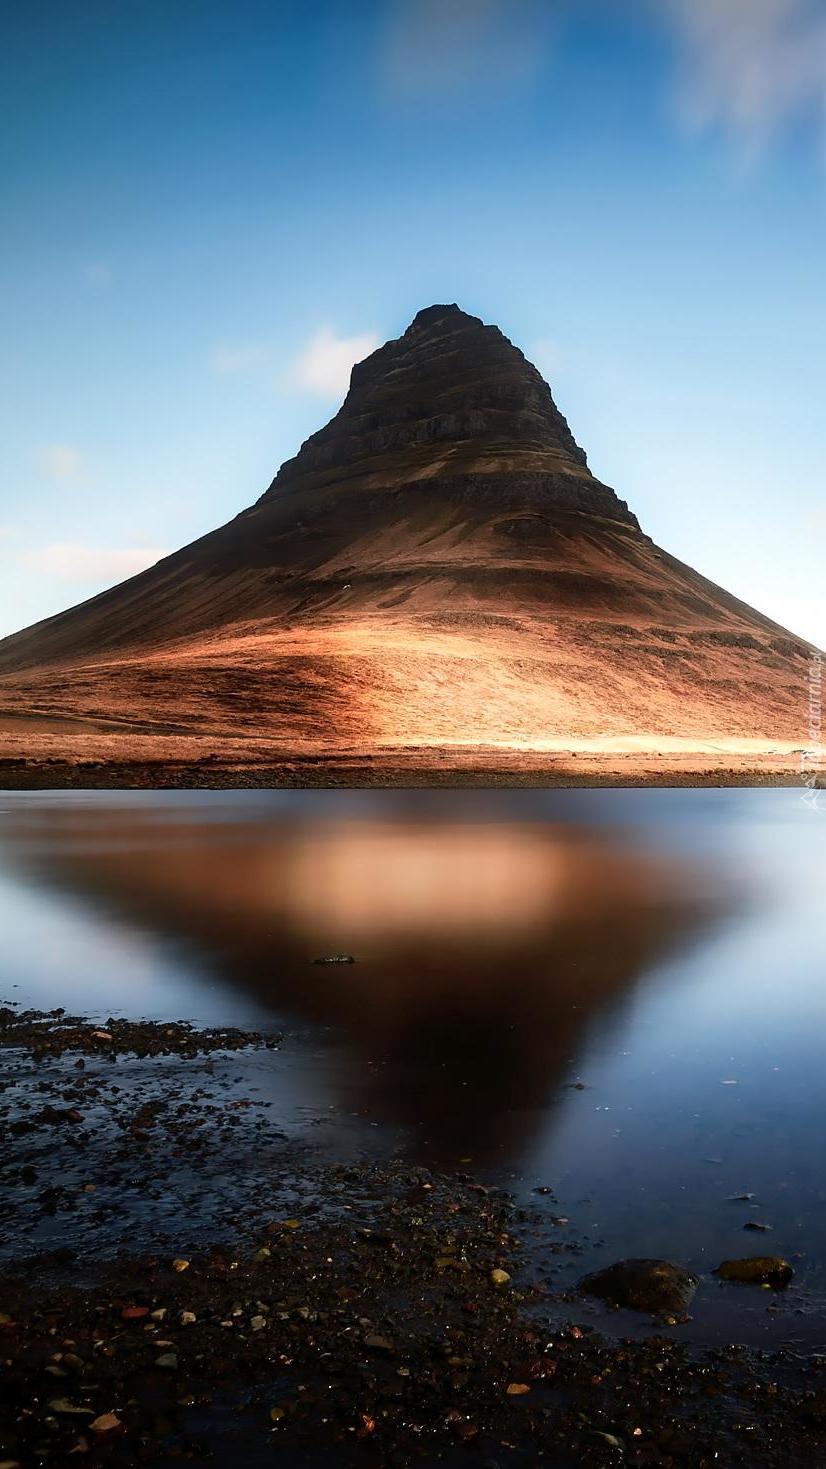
column 182, row 1281
column 419, row 770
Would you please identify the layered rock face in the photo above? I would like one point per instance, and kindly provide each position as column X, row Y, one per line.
column 452, row 399
column 437, row 566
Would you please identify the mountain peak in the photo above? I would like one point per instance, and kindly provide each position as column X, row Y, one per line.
column 450, row 402
column 431, row 315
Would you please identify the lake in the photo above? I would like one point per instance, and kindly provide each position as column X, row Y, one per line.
column 618, row 994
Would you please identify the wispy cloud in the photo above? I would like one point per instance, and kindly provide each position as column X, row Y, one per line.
column 444, row 48
column 232, row 361
column 74, row 561
column 325, row 365
column 61, row 461
column 752, row 67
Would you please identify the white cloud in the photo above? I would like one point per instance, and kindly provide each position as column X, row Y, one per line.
column 73, row 561
column 61, row 461
column 98, row 274
column 446, row 47
column 753, row 67
column 230, row 361
column 325, row 364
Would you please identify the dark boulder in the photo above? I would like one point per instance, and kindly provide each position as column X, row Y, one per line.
column 658, row 1287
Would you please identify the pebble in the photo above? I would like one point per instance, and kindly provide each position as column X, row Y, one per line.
column 62, row 1405
column 106, row 1423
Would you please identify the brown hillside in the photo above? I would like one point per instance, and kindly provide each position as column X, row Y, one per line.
column 436, row 567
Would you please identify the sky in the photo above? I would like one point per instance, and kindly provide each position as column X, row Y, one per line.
column 210, row 209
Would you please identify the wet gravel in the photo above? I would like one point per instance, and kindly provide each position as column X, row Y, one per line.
column 54, row 1033
column 181, row 1280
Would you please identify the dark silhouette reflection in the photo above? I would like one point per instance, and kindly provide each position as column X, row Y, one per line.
column 485, row 949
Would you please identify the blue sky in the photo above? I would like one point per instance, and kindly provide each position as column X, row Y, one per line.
column 210, row 209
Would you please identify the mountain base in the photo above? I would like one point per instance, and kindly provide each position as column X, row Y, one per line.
column 410, row 768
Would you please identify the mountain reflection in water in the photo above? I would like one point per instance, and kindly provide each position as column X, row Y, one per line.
column 485, row 949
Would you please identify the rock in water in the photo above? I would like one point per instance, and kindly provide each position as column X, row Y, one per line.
column 658, row 1287
column 757, row 1270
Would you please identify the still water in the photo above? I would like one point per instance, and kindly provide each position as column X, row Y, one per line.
column 617, row 993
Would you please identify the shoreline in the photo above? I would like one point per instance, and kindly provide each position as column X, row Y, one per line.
column 324, row 773
column 183, row 1280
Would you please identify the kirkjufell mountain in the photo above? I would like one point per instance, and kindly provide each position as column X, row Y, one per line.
column 437, row 570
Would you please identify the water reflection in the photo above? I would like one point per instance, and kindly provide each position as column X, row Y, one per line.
column 487, row 949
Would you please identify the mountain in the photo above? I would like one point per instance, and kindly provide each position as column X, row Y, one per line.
column 437, row 567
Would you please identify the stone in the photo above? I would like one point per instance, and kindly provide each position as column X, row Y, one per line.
column 757, row 1270
column 658, row 1287
column 105, row 1423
